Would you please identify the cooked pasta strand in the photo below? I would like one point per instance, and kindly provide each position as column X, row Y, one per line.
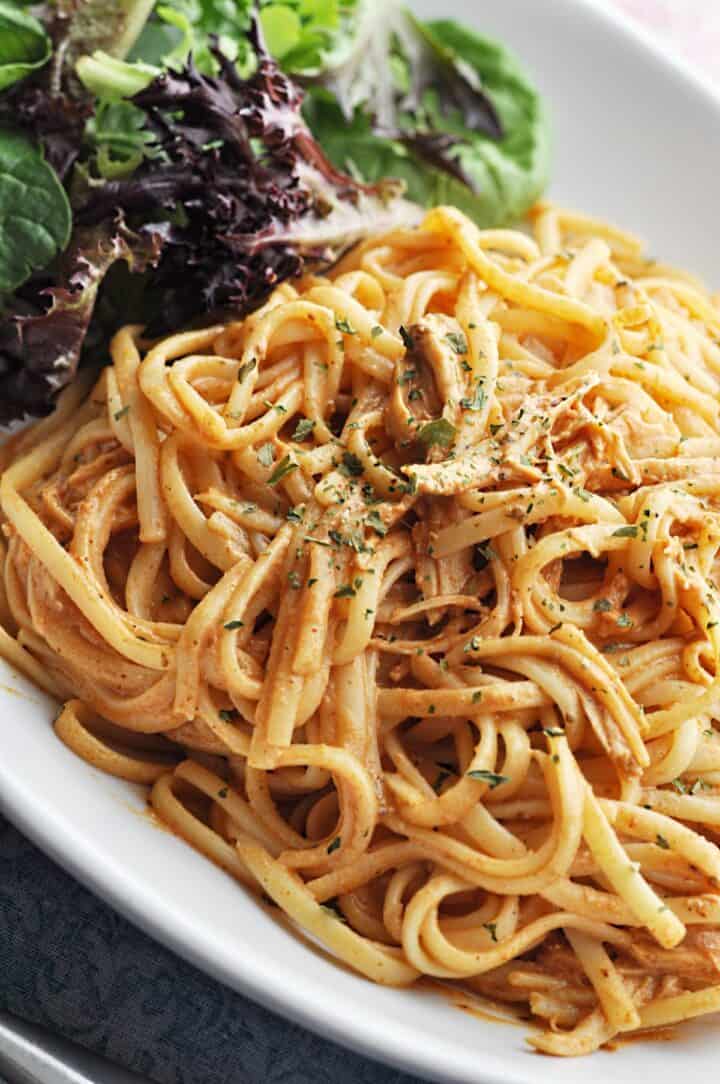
column 401, row 595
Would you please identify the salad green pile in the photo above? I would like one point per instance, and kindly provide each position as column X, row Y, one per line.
column 215, row 149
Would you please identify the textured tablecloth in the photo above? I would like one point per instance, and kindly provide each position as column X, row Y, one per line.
column 69, row 962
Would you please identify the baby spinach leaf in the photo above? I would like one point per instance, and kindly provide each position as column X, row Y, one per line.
column 35, row 216
column 24, row 44
column 53, row 107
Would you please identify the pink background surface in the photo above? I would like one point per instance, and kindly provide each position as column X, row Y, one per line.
column 691, row 27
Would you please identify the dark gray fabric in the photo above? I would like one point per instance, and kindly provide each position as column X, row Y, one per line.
column 70, row 963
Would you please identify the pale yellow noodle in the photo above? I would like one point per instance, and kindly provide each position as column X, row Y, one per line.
column 401, row 595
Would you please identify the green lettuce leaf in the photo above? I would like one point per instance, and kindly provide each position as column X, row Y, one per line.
column 121, row 139
column 24, row 44
column 508, row 174
column 302, row 34
column 494, row 180
column 35, row 216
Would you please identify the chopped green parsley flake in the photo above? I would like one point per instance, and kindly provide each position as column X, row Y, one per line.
column 375, row 522
column 245, row 370
column 303, row 429
column 483, row 555
column 266, row 454
column 439, row 432
column 457, row 341
column 477, row 400
column 346, row 328
column 351, row 466
column 345, row 590
column 284, row 467
column 406, row 338
column 491, row 778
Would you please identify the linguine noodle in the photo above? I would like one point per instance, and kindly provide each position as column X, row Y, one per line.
column 401, row 595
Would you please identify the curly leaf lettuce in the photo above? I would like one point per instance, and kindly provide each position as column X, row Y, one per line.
column 41, row 338
column 181, row 125
column 234, row 197
column 42, row 121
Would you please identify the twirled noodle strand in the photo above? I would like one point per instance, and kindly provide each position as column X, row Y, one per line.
column 401, row 595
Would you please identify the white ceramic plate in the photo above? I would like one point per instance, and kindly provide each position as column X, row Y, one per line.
column 637, row 140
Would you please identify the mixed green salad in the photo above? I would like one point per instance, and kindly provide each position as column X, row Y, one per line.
column 163, row 162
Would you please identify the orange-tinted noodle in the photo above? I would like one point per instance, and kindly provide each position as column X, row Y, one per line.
column 401, row 595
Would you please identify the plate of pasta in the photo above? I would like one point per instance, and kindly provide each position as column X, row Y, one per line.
column 360, row 631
